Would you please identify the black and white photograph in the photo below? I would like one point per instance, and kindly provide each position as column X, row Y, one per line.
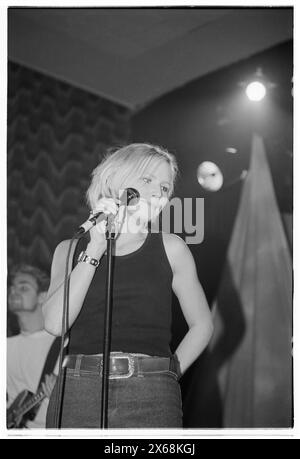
column 149, row 209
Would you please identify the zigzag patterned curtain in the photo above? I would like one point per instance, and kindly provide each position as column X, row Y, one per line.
column 56, row 136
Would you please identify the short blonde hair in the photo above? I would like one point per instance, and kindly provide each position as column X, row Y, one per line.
column 122, row 164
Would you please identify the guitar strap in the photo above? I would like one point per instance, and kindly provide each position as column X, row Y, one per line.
column 51, row 359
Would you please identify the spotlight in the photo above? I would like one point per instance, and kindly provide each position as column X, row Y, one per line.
column 209, row 176
column 256, row 88
column 256, row 91
column 231, row 150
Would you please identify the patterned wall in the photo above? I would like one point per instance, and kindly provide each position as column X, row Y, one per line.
column 56, row 135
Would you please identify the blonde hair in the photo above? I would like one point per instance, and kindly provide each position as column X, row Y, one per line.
column 122, row 164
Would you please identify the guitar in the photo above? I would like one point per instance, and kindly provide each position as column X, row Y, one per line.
column 21, row 409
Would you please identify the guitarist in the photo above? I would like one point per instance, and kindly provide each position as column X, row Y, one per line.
column 27, row 352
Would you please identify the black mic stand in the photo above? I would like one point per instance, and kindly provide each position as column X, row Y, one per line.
column 110, row 237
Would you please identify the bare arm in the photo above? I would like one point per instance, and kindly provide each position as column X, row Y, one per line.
column 80, row 277
column 80, row 280
column 189, row 292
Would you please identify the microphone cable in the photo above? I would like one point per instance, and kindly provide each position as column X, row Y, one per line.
column 64, row 328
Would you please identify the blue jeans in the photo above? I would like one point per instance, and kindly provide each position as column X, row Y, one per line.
column 146, row 401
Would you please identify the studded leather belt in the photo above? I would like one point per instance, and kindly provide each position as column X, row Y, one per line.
column 122, row 365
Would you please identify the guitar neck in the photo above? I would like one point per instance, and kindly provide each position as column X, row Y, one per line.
column 33, row 401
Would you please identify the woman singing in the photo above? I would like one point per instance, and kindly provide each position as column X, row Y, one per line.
column 148, row 266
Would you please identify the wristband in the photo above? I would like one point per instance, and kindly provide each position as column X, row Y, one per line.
column 83, row 257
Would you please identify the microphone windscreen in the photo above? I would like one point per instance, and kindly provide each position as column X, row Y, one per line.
column 130, row 196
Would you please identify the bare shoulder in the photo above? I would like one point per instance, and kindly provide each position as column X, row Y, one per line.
column 173, row 242
column 63, row 246
column 176, row 249
column 62, row 249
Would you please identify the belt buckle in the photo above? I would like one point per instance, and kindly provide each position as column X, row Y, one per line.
column 130, row 367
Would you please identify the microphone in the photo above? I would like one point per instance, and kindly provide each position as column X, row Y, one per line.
column 129, row 196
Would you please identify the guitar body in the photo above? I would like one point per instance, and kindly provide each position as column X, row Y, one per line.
column 15, row 416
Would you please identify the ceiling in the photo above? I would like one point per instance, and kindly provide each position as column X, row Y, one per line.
column 134, row 55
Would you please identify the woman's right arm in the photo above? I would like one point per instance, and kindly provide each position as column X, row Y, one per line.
column 80, row 277
column 80, row 280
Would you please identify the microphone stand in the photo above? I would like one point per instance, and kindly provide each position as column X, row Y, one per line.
column 110, row 237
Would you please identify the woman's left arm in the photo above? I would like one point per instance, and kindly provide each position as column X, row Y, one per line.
column 190, row 294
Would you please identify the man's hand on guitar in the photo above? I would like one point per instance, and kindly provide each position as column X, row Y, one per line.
column 48, row 384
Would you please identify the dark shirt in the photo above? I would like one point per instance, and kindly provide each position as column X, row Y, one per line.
column 142, row 297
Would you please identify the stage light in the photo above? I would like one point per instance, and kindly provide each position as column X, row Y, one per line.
column 209, row 176
column 231, row 150
column 256, row 91
column 257, row 87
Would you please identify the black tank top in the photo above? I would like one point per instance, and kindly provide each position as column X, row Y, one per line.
column 142, row 297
